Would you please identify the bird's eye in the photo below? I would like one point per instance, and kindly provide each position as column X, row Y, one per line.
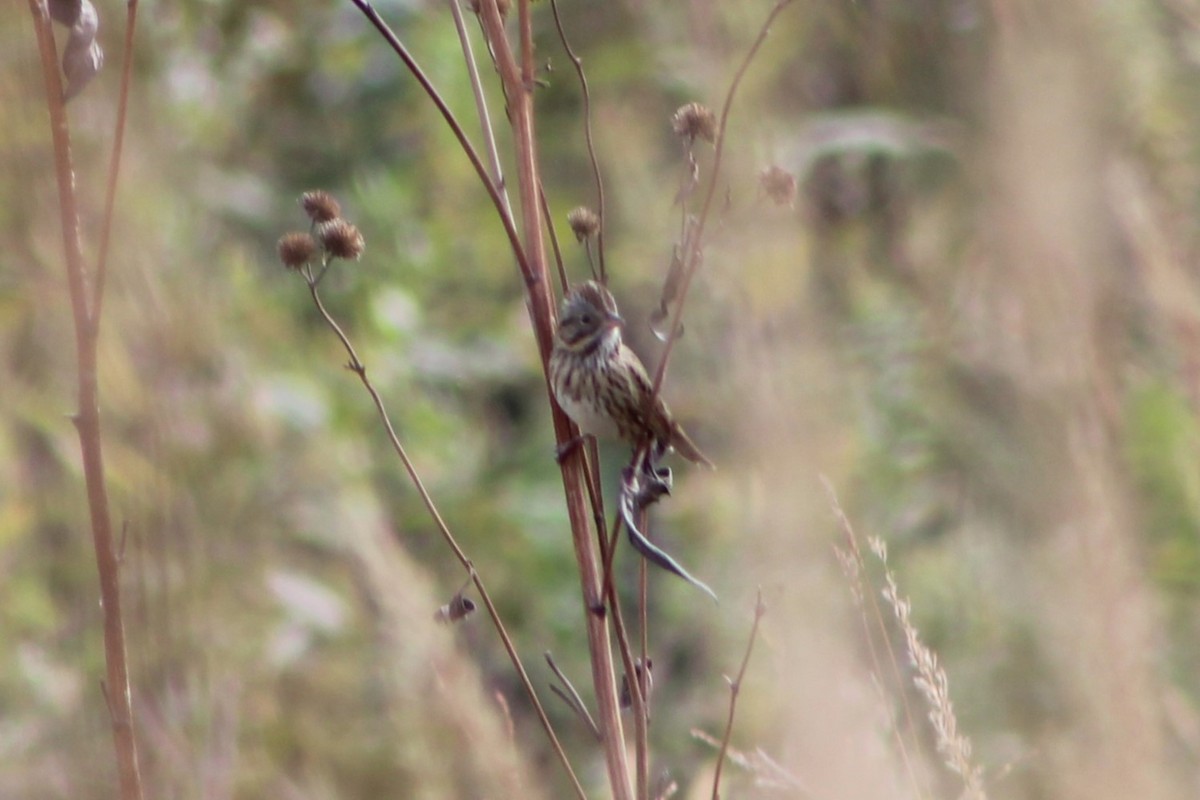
column 586, row 319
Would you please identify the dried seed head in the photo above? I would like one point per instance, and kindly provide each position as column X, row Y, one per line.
column 320, row 206
column 778, row 185
column 501, row 5
column 648, row 682
column 459, row 608
column 695, row 121
column 584, row 222
column 341, row 239
column 295, row 249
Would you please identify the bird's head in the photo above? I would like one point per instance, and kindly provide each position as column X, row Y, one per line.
column 589, row 320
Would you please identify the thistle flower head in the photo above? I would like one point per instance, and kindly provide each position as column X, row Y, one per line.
column 341, row 239
column 320, row 206
column 584, row 222
column 778, row 185
column 695, row 121
column 295, row 249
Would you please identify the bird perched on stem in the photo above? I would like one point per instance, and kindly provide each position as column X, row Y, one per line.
column 601, row 384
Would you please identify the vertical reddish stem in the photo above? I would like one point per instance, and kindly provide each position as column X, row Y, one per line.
column 87, row 422
column 519, row 86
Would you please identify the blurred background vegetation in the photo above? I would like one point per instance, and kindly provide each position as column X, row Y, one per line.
column 980, row 320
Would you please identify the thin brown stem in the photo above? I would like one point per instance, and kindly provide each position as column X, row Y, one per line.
column 114, row 167
column 735, row 687
column 644, row 593
column 639, row 700
column 637, row 694
column 493, row 190
column 563, row 284
column 577, row 62
column 692, row 251
column 117, row 692
column 591, row 471
column 609, row 555
column 643, row 680
column 481, row 107
column 644, row 647
column 571, row 697
column 587, row 249
column 356, row 366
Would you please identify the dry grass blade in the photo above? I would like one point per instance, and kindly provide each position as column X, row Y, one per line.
column 933, row 683
column 854, row 566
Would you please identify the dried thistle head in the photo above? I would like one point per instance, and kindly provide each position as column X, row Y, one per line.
column 459, row 608
column 501, row 5
column 341, row 239
column 320, row 206
column 584, row 222
column 645, row 679
column 778, row 185
column 695, row 121
column 295, row 249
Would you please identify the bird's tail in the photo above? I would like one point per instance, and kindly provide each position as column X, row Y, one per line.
column 687, row 448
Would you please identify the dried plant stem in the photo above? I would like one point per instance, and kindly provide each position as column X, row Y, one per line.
column 735, row 687
column 639, row 706
column 114, row 165
column 87, row 419
column 642, row 679
column 564, row 284
column 519, row 86
column 356, row 366
column 481, row 107
column 608, row 547
column 571, row 697
column 637, row 694
column 577, row 62
column 692, row 253
column 493, row 190
column 596, row 497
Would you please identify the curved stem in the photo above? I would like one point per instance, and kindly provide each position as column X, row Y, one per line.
column 114, row 168
column 735, row 687
column 587, row 133
column 356, row 366
column 692, row 254
column 493, row 191
column 481, row 108
column 563, row 283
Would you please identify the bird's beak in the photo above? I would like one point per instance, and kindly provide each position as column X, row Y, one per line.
column 614, row 321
